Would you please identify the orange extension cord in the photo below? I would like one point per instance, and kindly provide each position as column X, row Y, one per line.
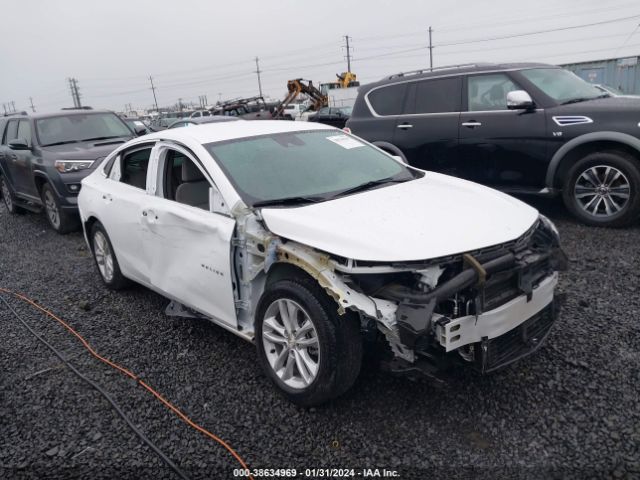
column 130, row 374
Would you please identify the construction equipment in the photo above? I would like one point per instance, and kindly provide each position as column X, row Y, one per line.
column 345, row 80
column 296, row 87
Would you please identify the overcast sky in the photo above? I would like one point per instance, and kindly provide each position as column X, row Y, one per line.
column 205, row 47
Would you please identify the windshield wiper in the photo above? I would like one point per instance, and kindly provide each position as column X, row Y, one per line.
column 371, row 184
column 64, row 142
column 288, row 201
column 582, row 99
column 100, row 138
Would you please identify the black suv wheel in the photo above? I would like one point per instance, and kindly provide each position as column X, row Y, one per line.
column 8, row 198
column 603, row 189
column 59, row 219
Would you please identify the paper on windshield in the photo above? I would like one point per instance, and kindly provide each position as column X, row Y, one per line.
column 345, row 141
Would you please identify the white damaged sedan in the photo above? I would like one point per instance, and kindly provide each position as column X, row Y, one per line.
column 312, row 243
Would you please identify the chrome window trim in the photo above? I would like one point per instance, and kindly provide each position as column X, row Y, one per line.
column 466, row 74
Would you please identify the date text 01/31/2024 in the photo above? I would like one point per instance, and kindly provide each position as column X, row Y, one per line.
column 316, row 473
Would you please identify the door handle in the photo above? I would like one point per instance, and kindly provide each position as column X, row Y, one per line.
column 471, row 124
column 405, row 126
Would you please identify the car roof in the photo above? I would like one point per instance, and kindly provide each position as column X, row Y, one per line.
column 61, row 113
column 460, row 69
column 221, row 131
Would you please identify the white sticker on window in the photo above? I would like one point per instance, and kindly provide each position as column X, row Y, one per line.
column 345, row 141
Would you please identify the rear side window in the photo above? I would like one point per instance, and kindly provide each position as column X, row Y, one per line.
column 388, row 100
column 24, row 131
column 12, row 131
column 437, row 96
column 133, row 168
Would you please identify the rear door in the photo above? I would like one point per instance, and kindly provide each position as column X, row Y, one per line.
column 23, row 161
column 500, row 147
column 8, row 157
column 386, row 104
column 427, row 132
column 188, row 247
column 123, row 197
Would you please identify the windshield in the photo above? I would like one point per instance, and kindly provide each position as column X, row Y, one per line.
column 80, row 127
column 561, row 85
column 319, row 164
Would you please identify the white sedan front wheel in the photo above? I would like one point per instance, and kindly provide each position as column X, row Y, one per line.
column 309, row 352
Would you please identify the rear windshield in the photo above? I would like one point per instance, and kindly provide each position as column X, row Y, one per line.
column 80, row 127
column 302, row 164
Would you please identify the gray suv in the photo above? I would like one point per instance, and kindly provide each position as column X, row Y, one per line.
column 44, row 157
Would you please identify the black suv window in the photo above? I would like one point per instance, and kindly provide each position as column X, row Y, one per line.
column 134, row 168
column 438, row 95
column 388, row 100
column 11, row 133
column 489, row 92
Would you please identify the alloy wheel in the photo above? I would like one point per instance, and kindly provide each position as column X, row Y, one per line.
column 602, row 190
column 103, row 255
column 291, row 343
column 52, row 209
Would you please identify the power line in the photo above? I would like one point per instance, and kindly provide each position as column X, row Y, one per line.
column 537, row 32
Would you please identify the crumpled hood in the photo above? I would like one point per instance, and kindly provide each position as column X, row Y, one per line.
column 430, row 217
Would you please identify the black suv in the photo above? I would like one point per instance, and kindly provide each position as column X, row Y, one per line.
column 44, row 157
column 522, row 128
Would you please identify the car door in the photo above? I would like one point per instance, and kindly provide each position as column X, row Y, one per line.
column 500, row 147
column 385, row 104
column 23, row 161
column 188, row 247
column 8, row 156
column 123, row 198
column 427, row 131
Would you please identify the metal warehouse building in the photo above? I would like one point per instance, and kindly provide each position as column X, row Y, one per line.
column 622, row 73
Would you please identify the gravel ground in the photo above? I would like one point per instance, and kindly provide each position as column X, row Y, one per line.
column 569, row 411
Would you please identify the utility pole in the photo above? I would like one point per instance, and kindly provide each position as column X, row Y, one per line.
column 13, row 105
column 153, row 89
column 180, row 103
column 75, row 93
column 33, row 109
column 346, row 39
column 258, row 71
column 430, row 49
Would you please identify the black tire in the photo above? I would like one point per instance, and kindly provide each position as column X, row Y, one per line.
column 116, row 281
column 60, row 219
column 8, row 198
column 596, row 213
column 339, row 339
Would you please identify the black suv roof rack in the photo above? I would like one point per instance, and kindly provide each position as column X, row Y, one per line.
column 15, row 113
column 437, row 69
column 76, row 108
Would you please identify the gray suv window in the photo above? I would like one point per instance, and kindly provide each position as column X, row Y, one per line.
column 24, row 131
column 12, row 131
column 388, row 100
column 489, row 92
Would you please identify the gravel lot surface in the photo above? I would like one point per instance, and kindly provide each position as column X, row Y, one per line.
column 570, row 411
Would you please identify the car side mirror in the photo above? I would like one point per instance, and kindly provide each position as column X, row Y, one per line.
column 19, row 144
column 140, row 130
column 217, row 203
column 519, row 100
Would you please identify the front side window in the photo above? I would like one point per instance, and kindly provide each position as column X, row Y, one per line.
column 388, row 100
column 184, row 182
column 80, row 128
column 320, row 164
column 562, row 85
column 438, row 95
column 134, row 166
column 489, row 92
column 24, row 131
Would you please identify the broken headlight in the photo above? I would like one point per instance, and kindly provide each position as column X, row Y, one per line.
column 66, row 166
